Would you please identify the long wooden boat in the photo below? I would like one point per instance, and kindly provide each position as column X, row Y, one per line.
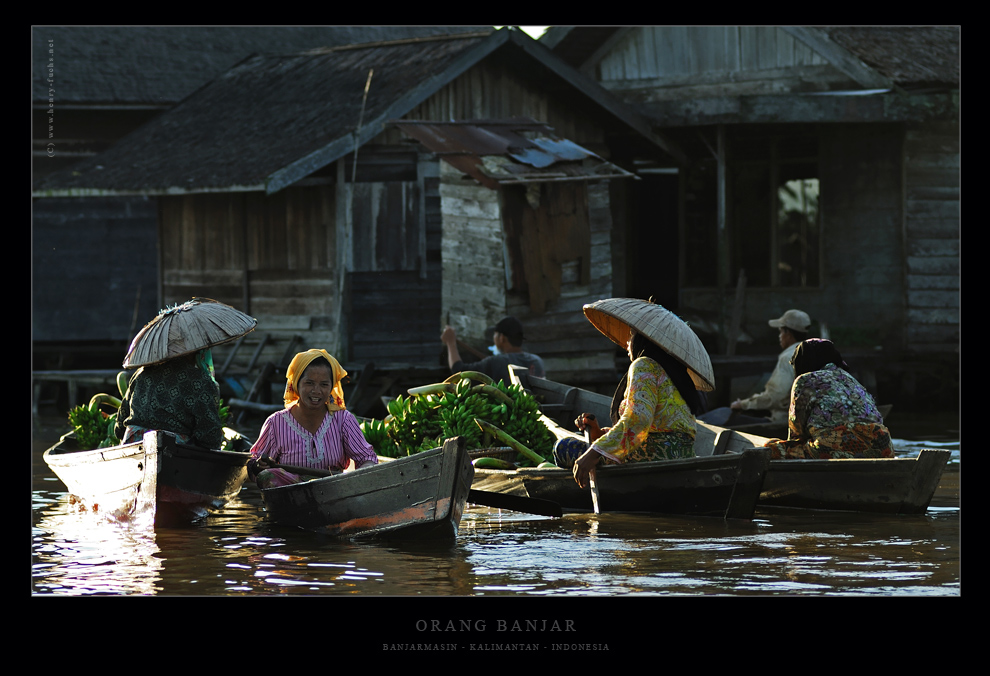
column 727, row 486
column 420, row 496
column 882, row 485
column 174, row 481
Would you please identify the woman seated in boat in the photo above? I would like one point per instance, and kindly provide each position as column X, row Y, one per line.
column 179, row 395
column 831, row 414
column 654, row 411
column 314, row 430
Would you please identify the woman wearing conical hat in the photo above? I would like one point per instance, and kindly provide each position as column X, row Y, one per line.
column 314, row 429
column 654, row 407
column 174, row 388
column 179, row 395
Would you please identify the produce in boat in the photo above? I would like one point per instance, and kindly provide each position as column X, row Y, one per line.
column 432, row 413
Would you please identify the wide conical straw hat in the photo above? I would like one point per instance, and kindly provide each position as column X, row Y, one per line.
column 187, row 328
column 615, row 316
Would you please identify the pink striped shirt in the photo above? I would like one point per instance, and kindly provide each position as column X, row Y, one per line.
column 338, row 441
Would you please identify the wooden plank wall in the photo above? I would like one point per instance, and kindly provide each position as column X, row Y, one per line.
column 573, row 350
column 712, row 61
column 932, row 236
column 478, row 288
column 394, row 318
column 494, row 90
column 392, row 310
column 94, row 268
column 269, row 256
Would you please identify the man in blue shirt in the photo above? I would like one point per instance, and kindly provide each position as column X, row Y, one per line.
column 508, row 338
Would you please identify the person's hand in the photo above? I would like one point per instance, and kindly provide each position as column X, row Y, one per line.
column 587, row 422
column 256, row 465
column 586, row 462
column 449, row 336
column 736, row 405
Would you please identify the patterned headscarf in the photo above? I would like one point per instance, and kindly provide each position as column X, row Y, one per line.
column 296, row 369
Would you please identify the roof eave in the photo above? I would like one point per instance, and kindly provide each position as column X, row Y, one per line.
column 144, row 192
column 846, row 62
column 597, row 93
column 336, row 149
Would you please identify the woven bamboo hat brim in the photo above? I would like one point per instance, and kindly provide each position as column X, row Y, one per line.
column 187, row 328
column 614, row 317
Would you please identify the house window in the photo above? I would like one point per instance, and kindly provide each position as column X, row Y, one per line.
column 773, row 215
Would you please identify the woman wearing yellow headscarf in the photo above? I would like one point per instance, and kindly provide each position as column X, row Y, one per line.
column 314, row 430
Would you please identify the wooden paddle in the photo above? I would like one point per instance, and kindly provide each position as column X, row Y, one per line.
column 486, row 498
column 589, row 419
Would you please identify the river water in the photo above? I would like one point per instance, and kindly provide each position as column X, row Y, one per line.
column 238, row 553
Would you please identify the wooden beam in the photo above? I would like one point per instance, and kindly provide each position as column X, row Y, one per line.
column 723, row 230
column 840, row 57
column 809, row 108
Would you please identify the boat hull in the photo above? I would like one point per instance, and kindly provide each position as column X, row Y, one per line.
column 119, row 482
column 725, row 486
column 417, row 497
column 156, row 475
column 881, row 485
column 193, row 481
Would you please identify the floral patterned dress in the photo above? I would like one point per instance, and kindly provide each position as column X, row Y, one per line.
column 655, row 422
column 832, row 416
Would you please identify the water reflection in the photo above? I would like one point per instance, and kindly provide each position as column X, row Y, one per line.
column 78, row 553
column 237, row 552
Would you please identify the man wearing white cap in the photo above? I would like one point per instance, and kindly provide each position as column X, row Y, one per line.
column 776, row 395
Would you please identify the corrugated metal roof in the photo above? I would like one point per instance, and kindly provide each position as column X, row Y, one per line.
column 496, row 152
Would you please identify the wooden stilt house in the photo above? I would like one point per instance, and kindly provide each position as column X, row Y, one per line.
column 290, row 188
column 822, row 171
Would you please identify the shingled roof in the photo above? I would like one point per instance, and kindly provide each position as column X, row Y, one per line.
column 911, row 56
column 273, row 119
column 161, row 65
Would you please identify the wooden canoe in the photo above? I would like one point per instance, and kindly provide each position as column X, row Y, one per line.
column 883, row 485
column 119, row 482
column 689, row 487
column 724, row 486
column 421, row 496
column 174, row 481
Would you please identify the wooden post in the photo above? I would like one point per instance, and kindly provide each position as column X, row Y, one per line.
column 723, row 238
column 737, row 310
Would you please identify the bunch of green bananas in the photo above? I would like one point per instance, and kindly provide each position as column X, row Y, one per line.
column 90, row 426
column 94, row 428
column 524, row 424
column 432, row 413
column 376, row 434
column 412, row 424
